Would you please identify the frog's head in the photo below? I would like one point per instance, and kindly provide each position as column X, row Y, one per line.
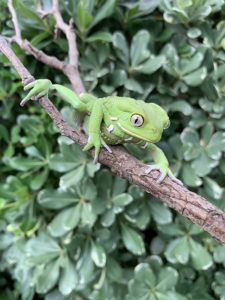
column 145, row 121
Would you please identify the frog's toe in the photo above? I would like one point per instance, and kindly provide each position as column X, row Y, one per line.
column 89, row 145
column 107, row 148
column 162, row 176
column 103, row 143
column 95, row 160
column 170, row 174
column 153, row 167
column 163, row 172
column 32, row 93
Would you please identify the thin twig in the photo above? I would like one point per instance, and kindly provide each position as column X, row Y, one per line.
column 187, row 203
column 15, row 21
column 70, row 69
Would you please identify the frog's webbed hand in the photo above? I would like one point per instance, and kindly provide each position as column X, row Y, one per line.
column 95, row 139
column 161, row 164
column 44, row 86
column 38, row 89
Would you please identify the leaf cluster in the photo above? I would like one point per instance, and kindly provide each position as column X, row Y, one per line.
column 71, row 230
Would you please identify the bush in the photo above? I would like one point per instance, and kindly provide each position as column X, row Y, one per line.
column 70, row 229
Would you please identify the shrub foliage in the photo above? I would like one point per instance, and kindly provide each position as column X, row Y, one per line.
column 70, row 229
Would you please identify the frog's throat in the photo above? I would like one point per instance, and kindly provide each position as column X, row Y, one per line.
column 132, row 133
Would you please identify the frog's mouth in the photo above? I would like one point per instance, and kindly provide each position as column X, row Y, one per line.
column 134, row 134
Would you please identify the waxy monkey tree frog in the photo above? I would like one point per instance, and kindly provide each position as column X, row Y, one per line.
column 115, row 120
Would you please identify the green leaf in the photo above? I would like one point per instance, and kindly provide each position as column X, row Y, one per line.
column 121, row 47
column 191, row 64
column 218, row 285
column 212, row 188
column 132, row 240
column 98, row 254
column 196, row 78
column 138, row 50
column 133, row 85
column 118, row 78
column 24, row 163
column 178, row 251
column 48, row 278
column 119, row 186
column 143, row 273
column 207, row 132
column 39, row 179
column 87, row 215
column 167, row 279
column 60, row 163
column 85, row 265
column 103, row 12
column 200, row 257
column 181, row 106
column 160, row 213
column 65, row 221
column 194, row 32
column 4, row 133
column 108, row 218
column 33, row 151
column 68, row 278
column 151, row 65
column 56, row 199
column 87, row 190
column 72, row 178
column 24, row 11
column 83, row 17
column 190, row 139
column 92, row 168
column 41, row 249
column 170, row 295
column 171, row 229
column 39, row 38
column 122, row 199
column 216, row 145
column 114, row 270
column 100, row 36
column 142, row 218
column 157, row 245
column 203, row 164
column 219, row 254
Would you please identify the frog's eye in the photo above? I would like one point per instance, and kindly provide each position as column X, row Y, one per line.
column 137, row 120
column 167, row 125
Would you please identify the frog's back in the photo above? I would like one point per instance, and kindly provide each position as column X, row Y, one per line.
column 122, row 102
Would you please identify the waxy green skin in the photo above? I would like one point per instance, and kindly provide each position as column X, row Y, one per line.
column 114, row 120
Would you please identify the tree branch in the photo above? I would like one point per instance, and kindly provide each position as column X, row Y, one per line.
column 70, row 69
column 187, row 203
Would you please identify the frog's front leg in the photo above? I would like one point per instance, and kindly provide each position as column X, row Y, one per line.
column 41, row 87
column 95, row 139
column 161, row 163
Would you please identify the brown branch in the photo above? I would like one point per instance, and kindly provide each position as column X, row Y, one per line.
column 70, row 69
column 187, row 203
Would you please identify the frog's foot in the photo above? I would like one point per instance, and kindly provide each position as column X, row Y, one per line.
column 164, row 170
column 38, row 89
column 171, row 176
column 96, row 142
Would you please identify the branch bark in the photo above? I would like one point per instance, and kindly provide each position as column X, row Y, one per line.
column 187, row 203
column 69, row 69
